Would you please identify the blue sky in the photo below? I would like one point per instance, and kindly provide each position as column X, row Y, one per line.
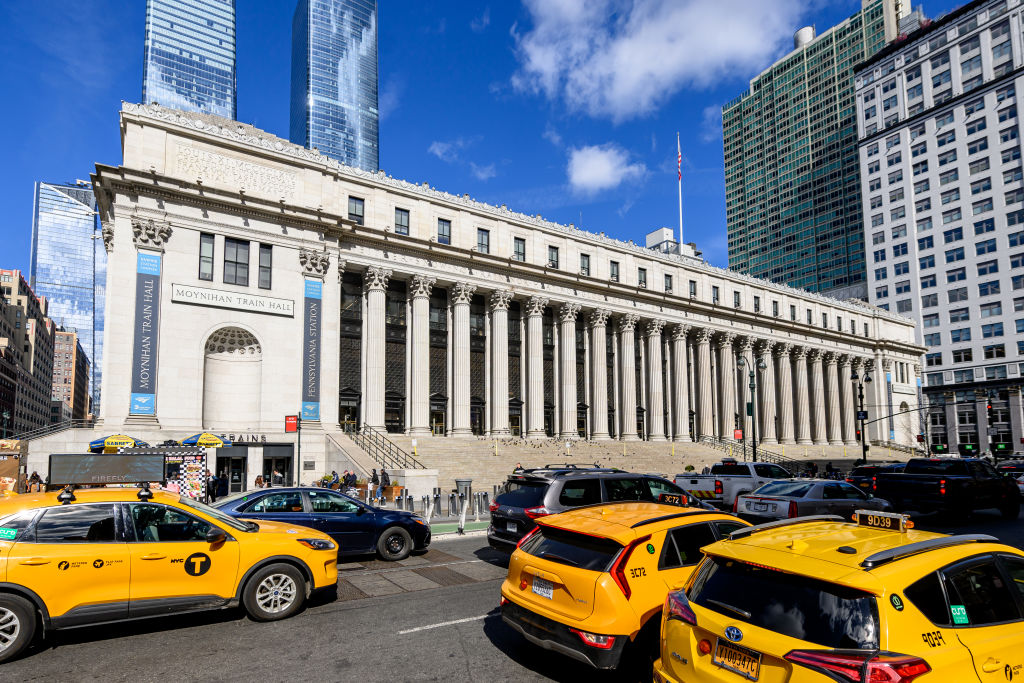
column 566, row 108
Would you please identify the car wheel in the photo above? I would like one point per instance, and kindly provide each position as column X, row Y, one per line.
column 275, row 592
column 1010, row 510
column 394, row 543
column 17, row 625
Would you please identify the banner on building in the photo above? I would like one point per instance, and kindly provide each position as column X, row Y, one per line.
column 311, row 350
column 892, row 422
column 146, row 327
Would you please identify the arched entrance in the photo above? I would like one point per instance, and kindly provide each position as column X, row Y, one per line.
column 232, row 373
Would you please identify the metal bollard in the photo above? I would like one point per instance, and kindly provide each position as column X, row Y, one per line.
column 398, row 501
column 436, row 502
column 453, row 505
column 409, row 503
column 476, row 505
column 486, row 502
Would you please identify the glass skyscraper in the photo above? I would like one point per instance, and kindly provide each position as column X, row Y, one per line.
column 334, row 80
column 189, row 60
column 792, row 178
column 69, row 266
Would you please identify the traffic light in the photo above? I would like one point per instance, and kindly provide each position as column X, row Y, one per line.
column 920, row 438
column 858, row 436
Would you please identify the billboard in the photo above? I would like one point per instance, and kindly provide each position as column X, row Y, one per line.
column 100, row 469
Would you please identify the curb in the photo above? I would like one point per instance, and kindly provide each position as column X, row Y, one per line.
column 447, row 536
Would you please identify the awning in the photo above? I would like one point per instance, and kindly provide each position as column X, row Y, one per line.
column 206, row 440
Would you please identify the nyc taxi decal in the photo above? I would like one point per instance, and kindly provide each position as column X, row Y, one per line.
column 197, row 564
column 933, row 638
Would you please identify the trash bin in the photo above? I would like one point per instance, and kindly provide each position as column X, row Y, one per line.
column 465, row 488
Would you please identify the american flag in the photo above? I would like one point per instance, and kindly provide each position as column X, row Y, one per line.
column 679, row 158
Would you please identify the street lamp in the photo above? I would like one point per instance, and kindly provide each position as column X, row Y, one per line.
column 7, row 418
column 742, row 362
column 862, row 414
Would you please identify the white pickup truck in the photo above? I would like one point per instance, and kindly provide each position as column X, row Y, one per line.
column 729, row 479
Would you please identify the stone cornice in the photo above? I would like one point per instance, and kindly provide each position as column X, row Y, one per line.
column 241, row 134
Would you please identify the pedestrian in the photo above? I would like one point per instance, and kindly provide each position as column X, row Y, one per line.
column 814, row 469
column 374, row 482
column 351, row 481
column 222, row 484
column 211, row 486
column 35, row 482
column 277, row 478
column 829, row 470
column 385, row 481
column 518, row 467
column 259, row 481
column 335, row 479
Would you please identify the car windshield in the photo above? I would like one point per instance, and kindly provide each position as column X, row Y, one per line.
column 936, row 466
column 522, row 493
column 567, row 547
column 793, row 489
column 216, row 514
column 800, row 607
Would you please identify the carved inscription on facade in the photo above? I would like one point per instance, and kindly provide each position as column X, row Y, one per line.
column 225, row 171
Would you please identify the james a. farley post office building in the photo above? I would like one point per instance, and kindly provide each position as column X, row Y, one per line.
column 250, row 279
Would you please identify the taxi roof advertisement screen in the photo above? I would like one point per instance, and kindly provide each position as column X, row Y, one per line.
column 105, row 469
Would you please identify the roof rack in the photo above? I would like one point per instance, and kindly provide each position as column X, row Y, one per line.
column 900, row 552
column 573, row 466
column 768, row 526
column 676, row 515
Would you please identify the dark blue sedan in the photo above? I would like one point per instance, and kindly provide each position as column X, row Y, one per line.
column 357, row 527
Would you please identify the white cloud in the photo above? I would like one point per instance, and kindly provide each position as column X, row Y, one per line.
column 601, row 167
column 552, row 135
column 483, row 172
column 482, row 22
column 445, row 151
column 622, row 58
column 711, row 123
column 390, row 95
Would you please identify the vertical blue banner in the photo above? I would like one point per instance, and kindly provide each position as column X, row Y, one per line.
column 145, row 332
column 311, row 350
column 892, row 420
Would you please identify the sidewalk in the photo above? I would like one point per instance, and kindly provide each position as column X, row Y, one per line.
column 452, row 528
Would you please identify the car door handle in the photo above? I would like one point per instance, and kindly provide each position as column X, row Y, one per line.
column 991, row 664
column 35, row 561
column 153, row 556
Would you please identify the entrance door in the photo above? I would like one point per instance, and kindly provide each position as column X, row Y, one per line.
column 437, row 422
column 279, row 459
column 233, row 469
column 476, row 420
column 515, row 425
column 549, row 420
column 394, row 414
column 348, row 417
column 581, row 421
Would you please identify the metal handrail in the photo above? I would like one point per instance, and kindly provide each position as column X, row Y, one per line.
column 763, row 454
column 51, row 429
column 380, row 448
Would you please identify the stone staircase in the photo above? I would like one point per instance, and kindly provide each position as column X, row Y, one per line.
column 488, row 461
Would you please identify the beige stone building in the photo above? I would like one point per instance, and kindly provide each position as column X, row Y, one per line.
column 252, row 279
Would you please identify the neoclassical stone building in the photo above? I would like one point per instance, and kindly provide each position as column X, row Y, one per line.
column 250, row 279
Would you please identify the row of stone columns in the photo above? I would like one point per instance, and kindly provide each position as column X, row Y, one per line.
column 804, row 396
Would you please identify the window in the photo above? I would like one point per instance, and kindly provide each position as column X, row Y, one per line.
column 899, row 231
column 896, row 176
column 959, row 315
column 898, row 213
column 714, row 294
column 983, row 226
column 1011, row 154
column 77, row 524
column 578, row 492
column 976, row 126
column 933, row 359
column 236, row 262
column 1007, row 113
column 947, row 158
column 953, row 255
column 879, row 255
column 518, row 249
column 979, row 165
column 946, row 138
column 552, row 257
column 993, row 351
column 876, row 202
column 792, row 313
column 1012, row 197
column 953, row 235
column 878, row 238
column 877, row 220
column 893, row 159
column 277, row 502
column 326, row 501
column 921, row 186
column 988, row 288
column 682, row 545
column 206, row 257
column 614, row 271
column 775, row 309
column 483, row 241
column 1017, row 260
column 920, row 167
column 872, row 148
column 957, row 294
column 584, row 264
column 960, row 335
column 824, row 320
column 668, row 283
column 963, row 356
column 924, row 224
column 1008, row 134
column 975, row 146
column 158, row 523
column 401, row 221
column 925, row 242
column 444, row 231
column 693, row 288
column 929, row 300
column 1005, row 93
column 266, row 264
column 926, row 595
column 903, row 287
column 930, row 320
column 983, row 593
column 904, row 306
column 874, row 167
column 985, row 246
column 925, row 262
column 355, row 210
column 973, row 107
column 882, row 292
column 950, row 196
column 992, row 330
column 956, row 275
column 933, row 339
column 736, row 300
column 988, row 267
column 875, row 185
column 1015, row 239
column 641, row 277
column 1012, row 175
column 901, row 268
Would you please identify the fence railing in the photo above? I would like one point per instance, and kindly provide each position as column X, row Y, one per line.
column 740, row 449
column 383, row 450
column 51, row 429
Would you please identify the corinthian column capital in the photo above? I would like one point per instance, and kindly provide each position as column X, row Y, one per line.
column 568, row 312
column 376, row 279
column 599, row 318
column 462, row 292
column 680, row 332
column 627, row 323
column 421, row 286
column 654, row 327
column 501, row 299
column 535, row 306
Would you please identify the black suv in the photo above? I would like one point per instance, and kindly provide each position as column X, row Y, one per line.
column 531, row 493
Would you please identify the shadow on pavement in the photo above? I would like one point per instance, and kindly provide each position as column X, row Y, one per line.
column 492, row 556
column 544, row 662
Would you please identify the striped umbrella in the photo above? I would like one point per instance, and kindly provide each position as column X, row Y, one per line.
column 111, row 444
column 206, row 440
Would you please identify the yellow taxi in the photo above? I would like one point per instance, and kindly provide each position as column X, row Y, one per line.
column 97, row 555
column 826, row 599
column 590, row 582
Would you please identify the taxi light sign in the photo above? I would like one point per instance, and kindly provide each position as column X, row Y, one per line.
column 888, row 521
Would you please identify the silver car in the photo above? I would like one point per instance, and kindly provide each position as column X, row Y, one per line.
column 800, row 497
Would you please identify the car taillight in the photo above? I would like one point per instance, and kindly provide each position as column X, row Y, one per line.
column 942, row 487
column 618, row 571
column 597, row 640
column 718, row 487
column 736, row 504
column 874, row 483
column 531, row 533
column 861, row 666
column 539, row 511
column 493, row 507
column 849, row 480
column 678, row 607
column 793, row 510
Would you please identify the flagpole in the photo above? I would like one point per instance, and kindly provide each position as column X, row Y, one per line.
column 679, row 161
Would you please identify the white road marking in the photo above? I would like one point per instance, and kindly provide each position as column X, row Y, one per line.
column 443, row 623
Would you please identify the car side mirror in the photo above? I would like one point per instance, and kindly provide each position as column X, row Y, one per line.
column 870, row 496
column 215, row 535
column 360, row 510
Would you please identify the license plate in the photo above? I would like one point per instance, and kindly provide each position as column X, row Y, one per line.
column 543, row 588
column 511, row 526
column 746, row 663
column 761, row 507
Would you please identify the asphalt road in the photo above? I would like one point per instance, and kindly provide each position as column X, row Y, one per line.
column 432, row 618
